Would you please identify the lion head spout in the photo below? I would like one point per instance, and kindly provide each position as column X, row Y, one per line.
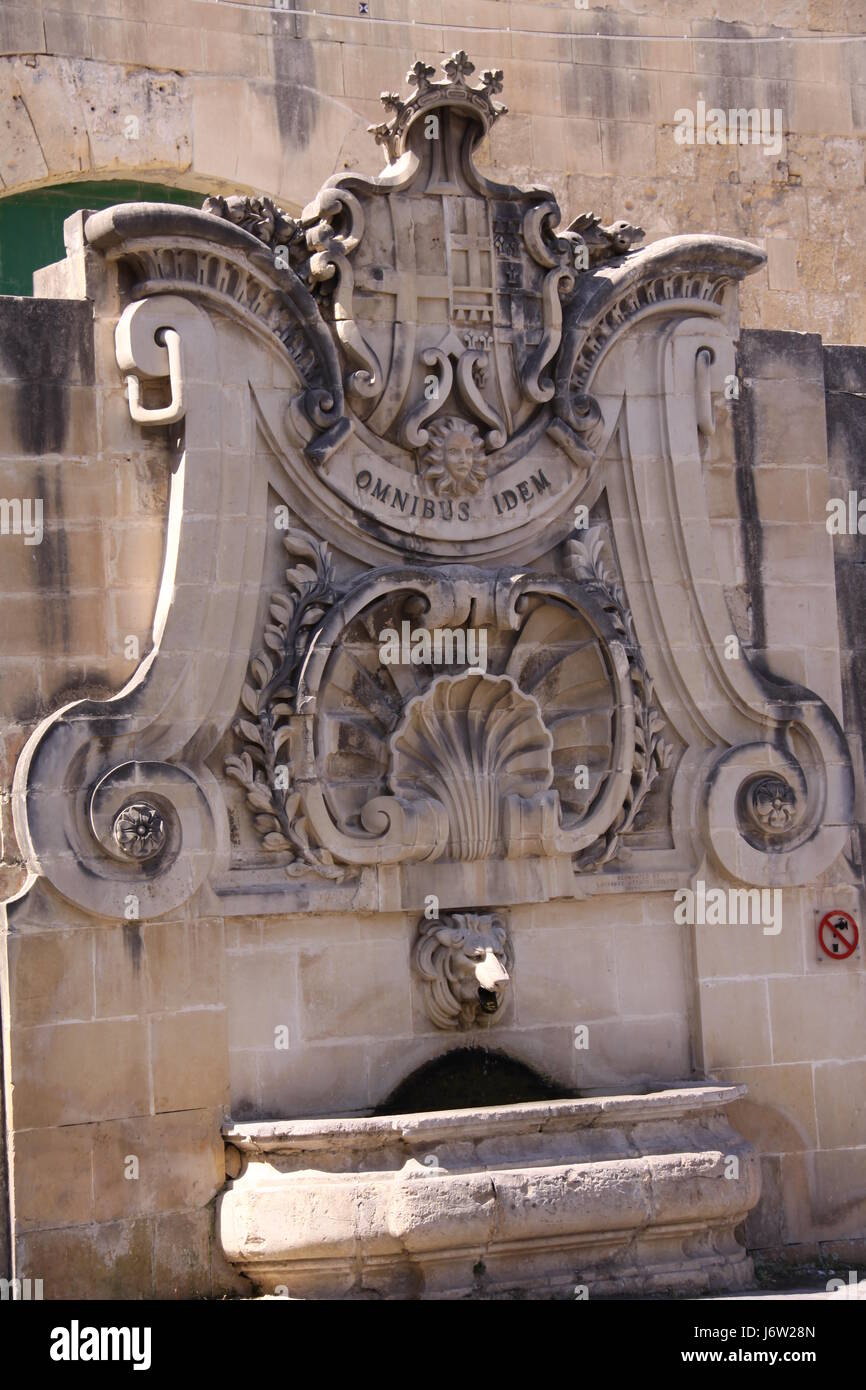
column 464, row 960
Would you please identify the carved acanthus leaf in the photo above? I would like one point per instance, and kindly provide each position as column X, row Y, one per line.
column 585, row 560
column 268, row 698
column 604, row 243
column 262, row 218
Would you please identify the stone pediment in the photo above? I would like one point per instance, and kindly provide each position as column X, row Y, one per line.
column 482, row 426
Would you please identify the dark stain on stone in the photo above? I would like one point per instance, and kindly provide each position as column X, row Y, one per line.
column 46, row 346
column 845, row 383
column 750, row 521
column 52, row 562
column 468, row 1077
column 245, row 1109
column 295, row 75
column 41, row 417
column 133, row 944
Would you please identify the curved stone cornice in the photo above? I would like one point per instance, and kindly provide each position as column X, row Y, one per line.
column 86, row 764
column 178, row 250
column 676, row 275
column 743, row 725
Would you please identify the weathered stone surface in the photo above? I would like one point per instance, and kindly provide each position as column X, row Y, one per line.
column 527, row 1198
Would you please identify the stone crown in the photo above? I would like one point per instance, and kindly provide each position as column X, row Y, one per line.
column 454, row 89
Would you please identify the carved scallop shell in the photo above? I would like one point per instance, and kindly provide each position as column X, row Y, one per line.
column 470, row 741
column 554, row 660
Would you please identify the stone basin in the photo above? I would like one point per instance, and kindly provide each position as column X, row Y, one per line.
column 626, row 1194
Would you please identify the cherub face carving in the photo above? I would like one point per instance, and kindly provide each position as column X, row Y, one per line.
column 453, row 463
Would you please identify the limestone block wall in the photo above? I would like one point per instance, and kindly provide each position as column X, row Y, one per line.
column 114, row 1034
column 775, row 1013
column 260, row 98
column 356, row 1025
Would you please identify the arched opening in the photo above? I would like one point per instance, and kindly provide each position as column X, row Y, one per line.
column 31, row 224
column 469, row 1077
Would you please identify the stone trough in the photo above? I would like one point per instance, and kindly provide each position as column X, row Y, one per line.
column 626, row 1194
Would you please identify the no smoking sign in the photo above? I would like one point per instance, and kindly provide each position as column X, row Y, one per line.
column 838, row 935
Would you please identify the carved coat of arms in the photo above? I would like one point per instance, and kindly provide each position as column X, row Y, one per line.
column 448, row 288
column 447, row 298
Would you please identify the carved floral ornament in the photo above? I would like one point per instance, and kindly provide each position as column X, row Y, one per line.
column 772, row 804
column 139, row 830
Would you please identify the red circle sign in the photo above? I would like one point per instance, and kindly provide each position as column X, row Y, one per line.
column 838, row 935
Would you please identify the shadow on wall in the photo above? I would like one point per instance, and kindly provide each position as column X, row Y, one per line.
column 467, row 1078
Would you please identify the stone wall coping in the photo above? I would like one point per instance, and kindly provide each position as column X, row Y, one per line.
column 272, row 1136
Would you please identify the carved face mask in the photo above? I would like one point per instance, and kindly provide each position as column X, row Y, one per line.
column 460, row 456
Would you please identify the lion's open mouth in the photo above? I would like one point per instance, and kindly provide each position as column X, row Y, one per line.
column 489, row 1000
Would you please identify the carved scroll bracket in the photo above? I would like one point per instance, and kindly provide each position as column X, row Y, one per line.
column 112, row 800
column 773, row 821
column 330, row 261
column 231, row 257
column 773, row 795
